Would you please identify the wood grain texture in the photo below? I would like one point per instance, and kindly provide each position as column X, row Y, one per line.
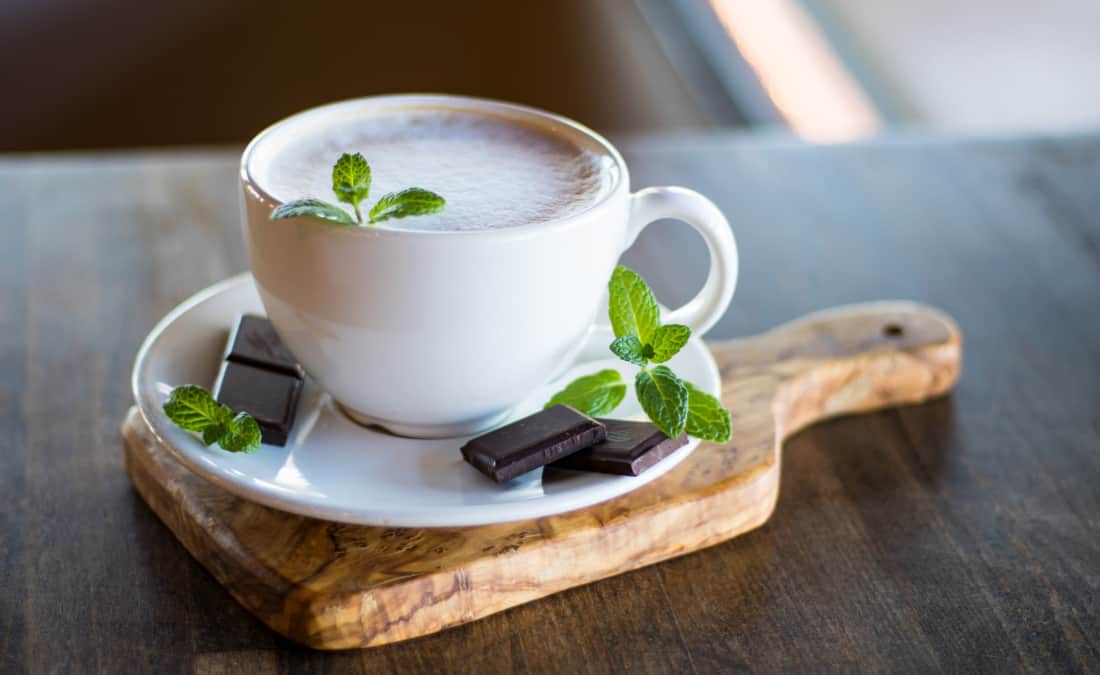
column 334, row 586
column 959, row 535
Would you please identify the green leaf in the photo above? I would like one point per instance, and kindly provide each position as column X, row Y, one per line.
column 410, row 202
column 707, row 418
column 664, row 399
column 212, row 433
column 315, row 208
column 596, row 394
column 351, row 179
column 668, row 340
column 194, row 409
column 242, row 434
column 631, row 306
column 630, row 349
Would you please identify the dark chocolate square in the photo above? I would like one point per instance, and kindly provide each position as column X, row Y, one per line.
column 269, row 396
column 255, row 342
column 630, row 449
column 534, row 441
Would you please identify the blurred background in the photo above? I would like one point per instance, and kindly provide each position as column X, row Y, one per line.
column 117, row 73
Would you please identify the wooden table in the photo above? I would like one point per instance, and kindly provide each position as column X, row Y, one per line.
column 961, row 535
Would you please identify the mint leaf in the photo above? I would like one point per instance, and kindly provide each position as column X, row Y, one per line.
column 212, row 433
column 315, row 208
column 194, row 409
column 351, row 180
column 631, row 306
column 242, row 434
column 630, row 349
column 410, row 202
column 596, row 394
column 668, row 340
column 664, row 399
column 707, row 418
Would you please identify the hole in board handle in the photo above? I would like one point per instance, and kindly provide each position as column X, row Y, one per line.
column 893, row 330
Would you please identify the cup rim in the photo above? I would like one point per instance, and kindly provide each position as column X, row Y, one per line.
column 621, row 179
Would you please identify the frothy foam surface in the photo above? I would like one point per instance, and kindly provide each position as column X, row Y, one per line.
column 494, row 171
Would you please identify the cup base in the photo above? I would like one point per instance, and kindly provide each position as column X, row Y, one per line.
column 464, row 428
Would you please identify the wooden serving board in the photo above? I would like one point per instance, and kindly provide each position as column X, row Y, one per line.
column 334, row 586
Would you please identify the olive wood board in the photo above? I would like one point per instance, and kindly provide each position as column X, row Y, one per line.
column 333, row 586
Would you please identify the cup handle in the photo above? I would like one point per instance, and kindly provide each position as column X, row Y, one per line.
column 655, row 203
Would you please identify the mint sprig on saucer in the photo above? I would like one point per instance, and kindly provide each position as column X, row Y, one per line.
column 194, row 409
column 351, row 178
column 673, row 405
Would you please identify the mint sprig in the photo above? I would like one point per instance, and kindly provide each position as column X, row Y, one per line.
column 673, row 405
column 351, row 181
column 193, row 408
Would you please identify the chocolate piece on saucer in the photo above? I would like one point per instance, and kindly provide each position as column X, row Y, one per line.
column 269, row 396
column 255, row 342
column 534, row 441
column 630, row 449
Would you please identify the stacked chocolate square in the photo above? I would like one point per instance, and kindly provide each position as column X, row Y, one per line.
column 561, row 437
column 260, row 376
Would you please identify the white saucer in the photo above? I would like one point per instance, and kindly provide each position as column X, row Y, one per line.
column 332, row 468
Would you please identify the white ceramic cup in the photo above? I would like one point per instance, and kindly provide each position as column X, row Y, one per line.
column 441, row 333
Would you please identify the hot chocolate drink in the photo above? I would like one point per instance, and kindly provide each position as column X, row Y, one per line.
column 495, row 171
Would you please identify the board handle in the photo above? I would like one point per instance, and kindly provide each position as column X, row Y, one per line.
column 846, row 360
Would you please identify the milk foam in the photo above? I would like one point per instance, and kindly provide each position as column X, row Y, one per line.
column 493, row 171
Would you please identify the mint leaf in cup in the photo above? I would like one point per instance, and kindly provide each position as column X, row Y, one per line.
column 351, row 181
column 409, row 202
column 594, row 395
column 192, row 408
column 664, row 398
column 351, row 178
column 315, row 208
